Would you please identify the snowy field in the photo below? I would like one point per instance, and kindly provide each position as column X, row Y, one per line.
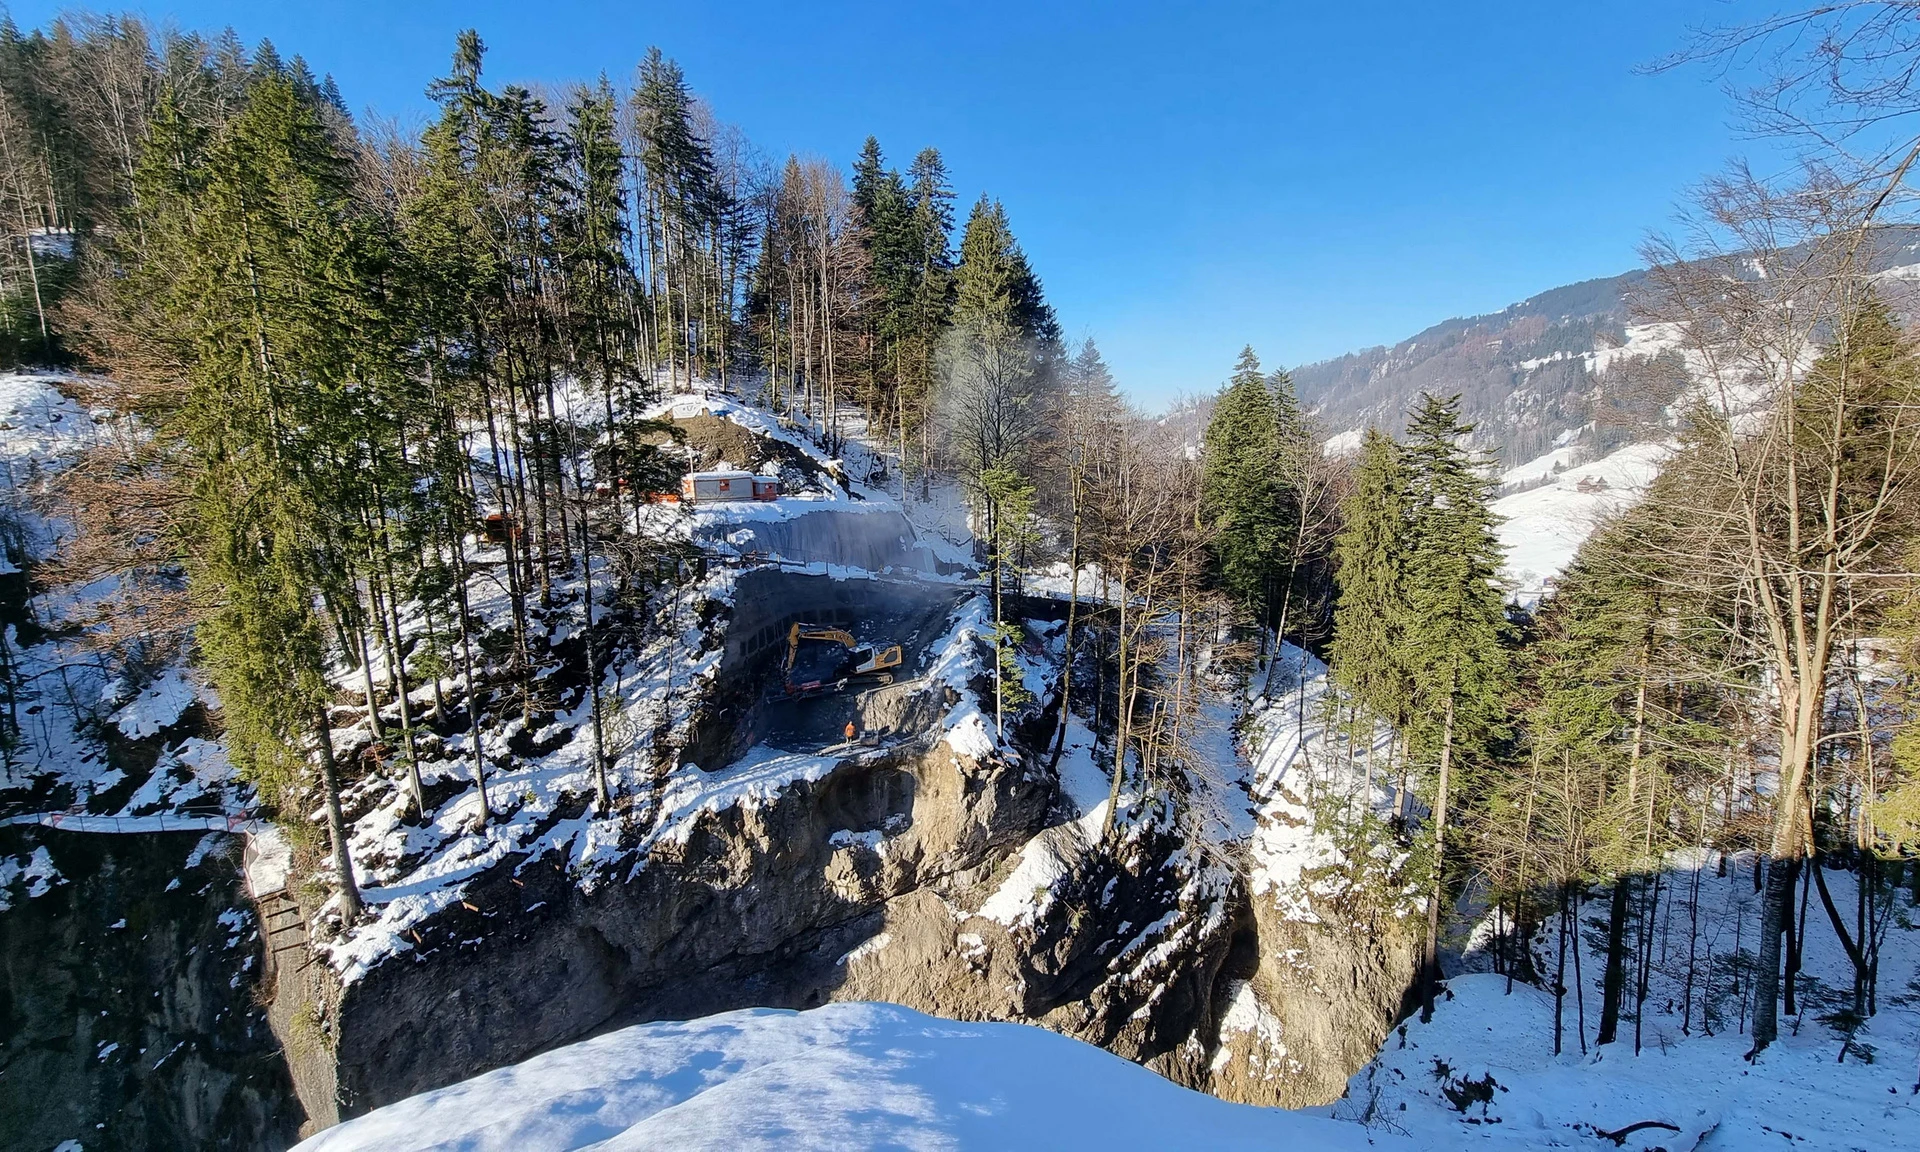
column 846, row 1076
column 1543, row 527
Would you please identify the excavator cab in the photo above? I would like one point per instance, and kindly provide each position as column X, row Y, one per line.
column 822, row 659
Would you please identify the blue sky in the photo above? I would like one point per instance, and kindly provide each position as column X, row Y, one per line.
column 1186, row 178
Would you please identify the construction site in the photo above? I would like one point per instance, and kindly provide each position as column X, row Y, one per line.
column 806, row 655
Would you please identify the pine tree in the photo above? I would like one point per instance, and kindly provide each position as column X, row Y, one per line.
column 682, row 205
column 930, row 228
column 1369, row 651
column 1241, row 491
column 994, row 285
column 1456, row 625
column 884, row 217
column 257, row 275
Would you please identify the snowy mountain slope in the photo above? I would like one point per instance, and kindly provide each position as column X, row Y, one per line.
column 1565, row 380
column 69, row 691
column 845, row 1076
column 1570, row 360
column 1542, row 527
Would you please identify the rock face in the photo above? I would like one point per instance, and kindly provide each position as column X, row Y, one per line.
column 945, row 874
column 127, row 1010
column 757, row 906
column 1314, row 1010
column 864, row 885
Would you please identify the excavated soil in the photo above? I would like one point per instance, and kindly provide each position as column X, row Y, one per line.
column 714, row 440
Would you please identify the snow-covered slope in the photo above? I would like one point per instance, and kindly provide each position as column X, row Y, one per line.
column 846, row 1076
column 1804, row 1093
column 1796, row 1096
column 1544, row 526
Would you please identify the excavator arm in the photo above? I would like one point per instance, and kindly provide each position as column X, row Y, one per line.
column 875, row 665
column 801, row 632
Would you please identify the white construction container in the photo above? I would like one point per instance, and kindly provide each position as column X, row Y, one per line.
column 718, row 487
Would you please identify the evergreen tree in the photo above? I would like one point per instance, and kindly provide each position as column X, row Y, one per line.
column 1456, row 625
column 1242, row 491
column 1369, row 652
column 886, row 228
column 682, row 206
column 258, row 274
column 930, row 229
column 994, row 285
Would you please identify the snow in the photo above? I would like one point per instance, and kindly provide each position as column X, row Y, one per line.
column 1056, row 581
column 1797, row 1094
column 1050, row 858
column 157, row 707
column 1344, row 444
column 53, row 242
column 39, row 424
column 59, row 773
column 34, row 873
column 958, row 661
column 845, row 1076
column 1247, row 1015
column 1643, row 341
column 1542, row 467
column 269, row 861
column 866, row 948
column 1307, row 783
column 1027, row 892
column 1543, row 527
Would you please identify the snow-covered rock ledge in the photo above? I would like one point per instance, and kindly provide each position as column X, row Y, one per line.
column 845, row 1076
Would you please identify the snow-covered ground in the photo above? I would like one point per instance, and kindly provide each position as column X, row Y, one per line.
column 68, row 688
column 1543, row 527
column 843, row 1077
column 1311, row 782
column 1802, row 1093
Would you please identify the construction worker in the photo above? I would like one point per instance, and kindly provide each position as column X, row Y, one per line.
column 850, row 731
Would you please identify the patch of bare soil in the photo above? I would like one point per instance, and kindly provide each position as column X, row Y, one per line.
column 711, row 440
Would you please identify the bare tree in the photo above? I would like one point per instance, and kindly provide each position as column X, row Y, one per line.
column 1796, row 491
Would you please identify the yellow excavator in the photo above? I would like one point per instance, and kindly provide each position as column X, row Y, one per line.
column 822, row 659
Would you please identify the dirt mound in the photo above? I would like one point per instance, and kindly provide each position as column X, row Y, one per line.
column 713, row 440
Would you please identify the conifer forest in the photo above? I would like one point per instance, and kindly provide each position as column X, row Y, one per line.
column 1512, row 735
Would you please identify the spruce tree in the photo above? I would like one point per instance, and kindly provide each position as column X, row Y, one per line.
column 1457, row 629
column 1369, row 656
column 929, row 231
column 1241, row 491
column 257, row 276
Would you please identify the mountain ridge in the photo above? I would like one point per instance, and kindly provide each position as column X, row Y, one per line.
column 1561, row 369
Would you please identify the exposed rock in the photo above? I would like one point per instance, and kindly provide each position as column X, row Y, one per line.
column 127, row 1012
column 1316, row 1008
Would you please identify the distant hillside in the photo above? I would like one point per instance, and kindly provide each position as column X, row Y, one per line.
column 1567, row 369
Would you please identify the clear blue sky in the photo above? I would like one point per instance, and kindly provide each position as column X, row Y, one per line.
column 1186, row 178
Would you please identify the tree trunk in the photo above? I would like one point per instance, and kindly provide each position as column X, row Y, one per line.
column 1560, row 977
column 1613, row 980
column 1775, row 915
column 1431, row 975
column 1073, row 607
column 350, row 906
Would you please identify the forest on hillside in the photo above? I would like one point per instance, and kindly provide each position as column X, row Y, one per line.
column 332, row 349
